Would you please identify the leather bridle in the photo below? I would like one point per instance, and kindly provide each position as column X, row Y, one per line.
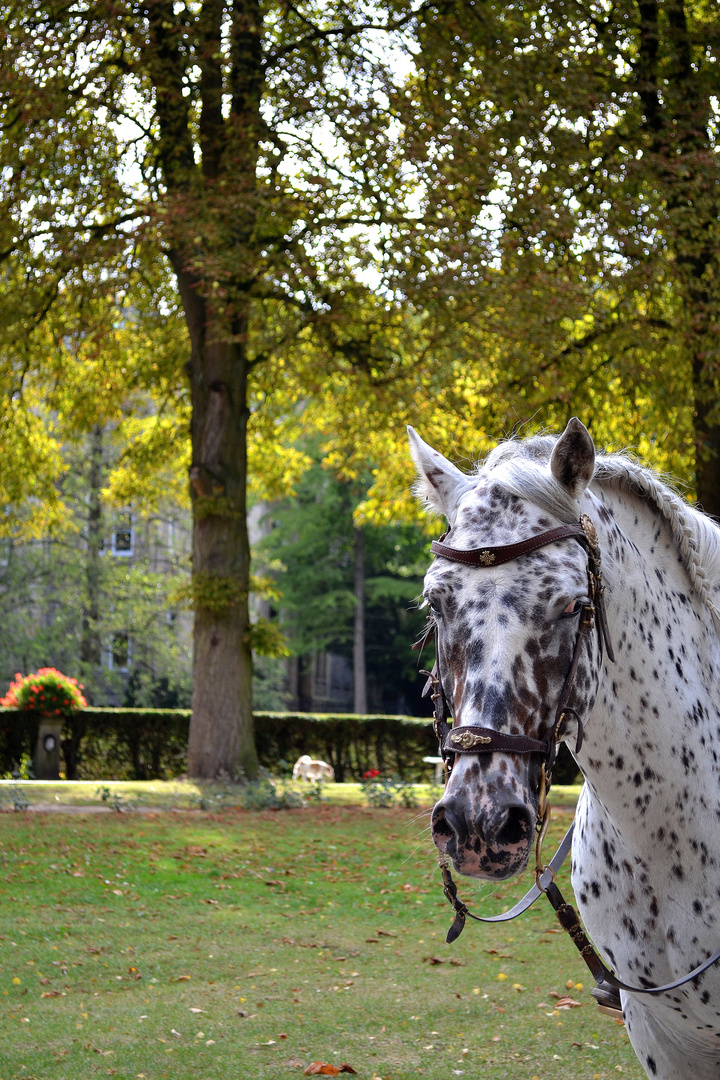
column 473, row 739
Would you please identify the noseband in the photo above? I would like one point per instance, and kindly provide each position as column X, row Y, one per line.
column 471, row 739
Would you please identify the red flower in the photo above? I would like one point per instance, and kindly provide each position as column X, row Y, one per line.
column 45, row 688
column 371, row 774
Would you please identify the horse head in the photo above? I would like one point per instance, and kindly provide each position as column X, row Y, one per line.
column 507, row 636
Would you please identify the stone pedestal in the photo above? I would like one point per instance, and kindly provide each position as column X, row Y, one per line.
column 46, row 760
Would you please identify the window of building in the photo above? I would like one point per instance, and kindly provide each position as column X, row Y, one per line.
column 119, row 652
column 122, row 540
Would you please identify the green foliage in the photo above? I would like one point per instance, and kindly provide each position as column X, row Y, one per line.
column 388, row 791
column 23, row 770
column 266, row 639
column 114, row 800
column 210, row 592
column 267, row 794
column 312, row 540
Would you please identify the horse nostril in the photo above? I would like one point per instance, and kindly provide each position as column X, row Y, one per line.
column 514, row 825
column 448, row 823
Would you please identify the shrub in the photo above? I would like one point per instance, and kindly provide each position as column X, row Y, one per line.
column 388, row 791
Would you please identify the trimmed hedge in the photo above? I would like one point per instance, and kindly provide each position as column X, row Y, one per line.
column 105, row 744
column 151, row 744
column 351, row 744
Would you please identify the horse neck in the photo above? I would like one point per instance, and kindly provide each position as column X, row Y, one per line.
column 666, row 649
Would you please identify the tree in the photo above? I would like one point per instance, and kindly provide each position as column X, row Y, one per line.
column 97, row 599
column 312, row 550
column 203, row 135
column 571, row 150
column 370, row 213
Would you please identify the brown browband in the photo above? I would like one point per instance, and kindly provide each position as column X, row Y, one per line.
column 494, row 556
column 470, row 739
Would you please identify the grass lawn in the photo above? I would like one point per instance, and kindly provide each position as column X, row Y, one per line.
column 189, row 795
column 233, row 944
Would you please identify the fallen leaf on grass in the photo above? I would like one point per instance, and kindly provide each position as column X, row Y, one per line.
column 51, row 993
column 196, row 1010
column 567, row 1003
column 281, row 884
column 386, row 933
column 182, row 978
column 372, row 940
column 321, row 1068
column 433, row 960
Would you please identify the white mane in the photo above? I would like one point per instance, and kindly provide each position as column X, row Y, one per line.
column 697, row 537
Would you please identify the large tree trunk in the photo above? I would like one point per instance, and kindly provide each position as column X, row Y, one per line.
column 210, row 221
column 221, row 743
column 359, row 664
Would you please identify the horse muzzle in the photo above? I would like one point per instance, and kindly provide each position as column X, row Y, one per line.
column 486, row 839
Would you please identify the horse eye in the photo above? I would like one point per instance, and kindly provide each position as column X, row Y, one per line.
column 573, row 608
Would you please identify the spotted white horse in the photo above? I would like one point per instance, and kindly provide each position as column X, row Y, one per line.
column 646, row 848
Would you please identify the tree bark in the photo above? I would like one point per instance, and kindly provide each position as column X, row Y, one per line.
column 359, row 662
column 221, row 742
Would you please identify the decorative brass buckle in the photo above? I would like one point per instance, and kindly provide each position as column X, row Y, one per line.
column 468, row 739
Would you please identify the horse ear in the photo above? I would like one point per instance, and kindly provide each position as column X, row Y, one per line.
column 439, row 484
column 573, row 460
